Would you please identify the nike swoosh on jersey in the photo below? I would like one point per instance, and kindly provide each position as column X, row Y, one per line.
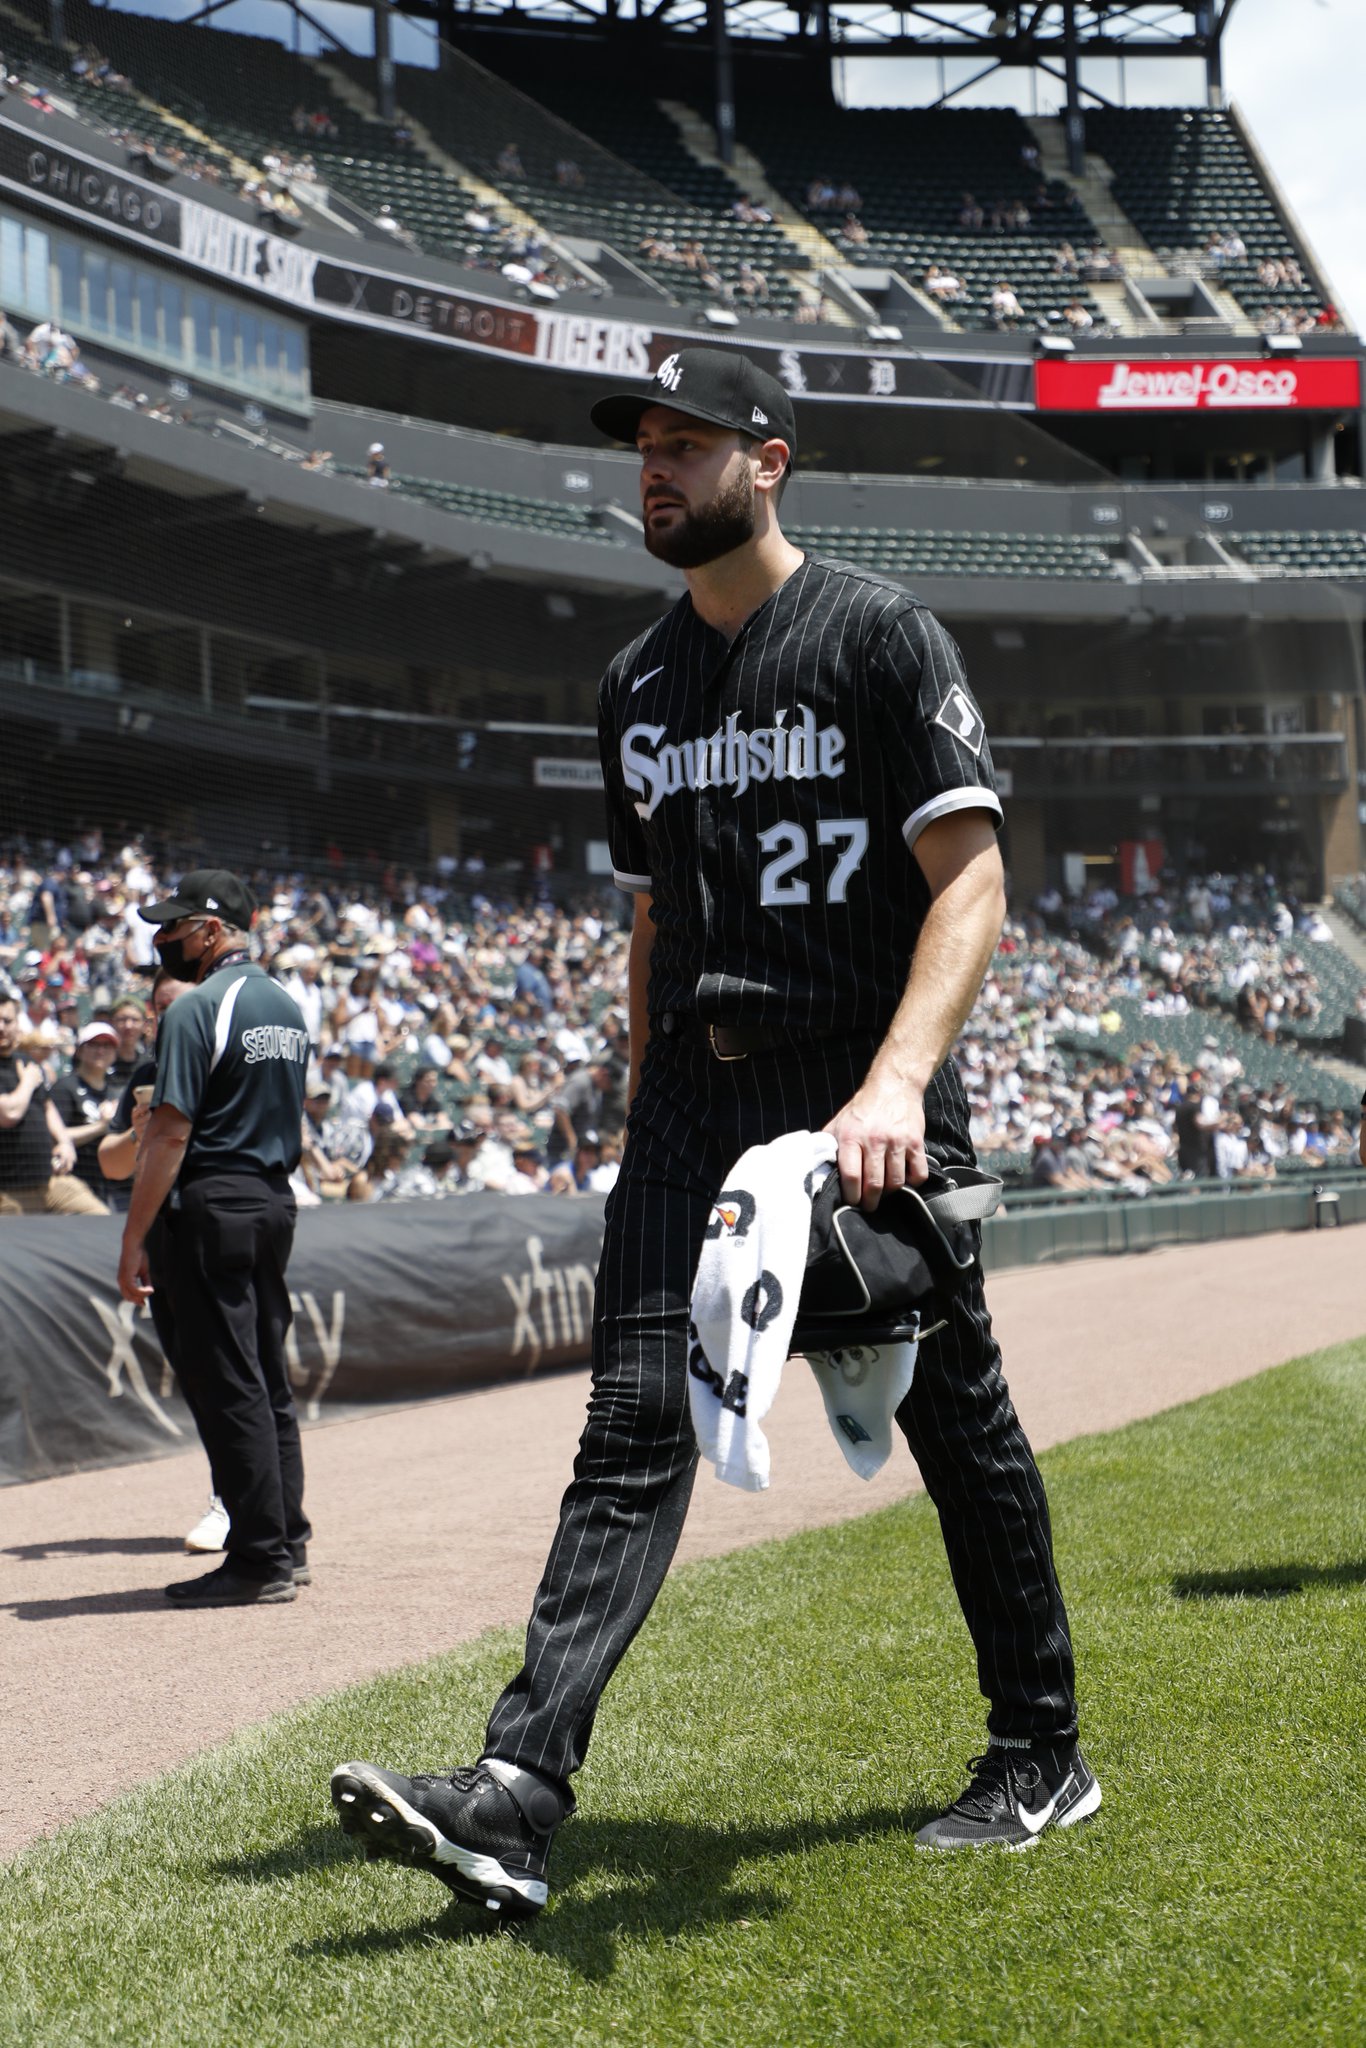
column 646, row 677
column 1037, row 1822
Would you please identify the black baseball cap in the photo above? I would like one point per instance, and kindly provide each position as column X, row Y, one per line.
column 205, row 892
column 716, row 384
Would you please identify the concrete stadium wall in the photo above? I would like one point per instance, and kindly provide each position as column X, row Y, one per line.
column 1046, row 1236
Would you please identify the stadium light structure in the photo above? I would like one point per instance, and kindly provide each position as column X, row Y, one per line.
column 1056, row 38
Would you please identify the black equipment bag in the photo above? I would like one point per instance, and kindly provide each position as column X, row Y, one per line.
column 871, row 1276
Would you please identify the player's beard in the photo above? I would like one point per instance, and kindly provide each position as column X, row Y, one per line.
column 716, row 530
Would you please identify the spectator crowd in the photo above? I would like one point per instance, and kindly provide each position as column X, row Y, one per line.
column 1068, row 1058
column 462, row 1043
column 457, row 1044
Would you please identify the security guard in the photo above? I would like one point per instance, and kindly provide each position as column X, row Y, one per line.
column 222, row 1140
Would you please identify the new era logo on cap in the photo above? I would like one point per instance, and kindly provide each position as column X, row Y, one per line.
column 758, row 419
column 205, row 892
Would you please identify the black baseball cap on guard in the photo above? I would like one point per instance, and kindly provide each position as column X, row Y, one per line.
column 716, row 384
column 205, row 892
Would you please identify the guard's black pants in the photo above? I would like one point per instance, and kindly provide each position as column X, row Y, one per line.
column 624, row 1510
column 227, row 1247
column 163, row 1319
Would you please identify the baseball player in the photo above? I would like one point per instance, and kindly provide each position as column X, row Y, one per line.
column 801, row 802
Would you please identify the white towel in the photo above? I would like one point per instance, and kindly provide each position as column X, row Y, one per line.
column 744, row 1304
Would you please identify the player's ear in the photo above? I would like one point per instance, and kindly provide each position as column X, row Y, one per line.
column 774, row 459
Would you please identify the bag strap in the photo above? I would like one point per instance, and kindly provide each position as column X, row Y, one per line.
column 972, row 1196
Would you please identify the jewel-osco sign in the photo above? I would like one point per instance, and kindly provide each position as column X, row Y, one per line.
column 1261, row 384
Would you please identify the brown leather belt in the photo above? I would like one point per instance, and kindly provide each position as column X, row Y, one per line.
column 732, row 1041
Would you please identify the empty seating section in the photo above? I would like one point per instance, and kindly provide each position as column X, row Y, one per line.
column 1264, row 1066
column 1182, row 174
column 243, row 91
column 605, row 167
column 1350, row 898
column 30, row 55
column 1338, row 979
column 912, row 168
column 895, row 552
column 608, row 166
column 497, row 508
column 1336, row 555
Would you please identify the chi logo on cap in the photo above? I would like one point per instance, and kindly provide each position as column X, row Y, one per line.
column 669, row 373
column 758, row 419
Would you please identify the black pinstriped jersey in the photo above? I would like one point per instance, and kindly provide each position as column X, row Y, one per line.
column 768, row 794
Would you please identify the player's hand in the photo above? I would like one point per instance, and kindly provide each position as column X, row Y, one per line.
column 135, row 1277
column 880, row 1140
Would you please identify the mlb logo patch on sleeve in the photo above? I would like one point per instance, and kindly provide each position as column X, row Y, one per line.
column 960, row 716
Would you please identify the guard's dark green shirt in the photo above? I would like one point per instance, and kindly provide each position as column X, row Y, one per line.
column 232, row 1055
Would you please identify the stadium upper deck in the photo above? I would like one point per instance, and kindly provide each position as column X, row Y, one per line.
column 1148, row 543
column 976, row 216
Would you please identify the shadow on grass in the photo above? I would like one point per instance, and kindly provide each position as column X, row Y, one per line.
column 97, row 1546
column 671, row 1879
column 1266, row 1582
column 308, row 1850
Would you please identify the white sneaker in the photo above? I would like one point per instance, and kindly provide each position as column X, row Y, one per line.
column 211, row 1533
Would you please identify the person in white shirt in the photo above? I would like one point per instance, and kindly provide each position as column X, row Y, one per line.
column 1004, row 304
column 491, row 1067
column 305, row 985
column 1230, row 1149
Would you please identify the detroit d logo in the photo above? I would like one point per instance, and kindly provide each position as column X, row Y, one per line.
column 669, row 373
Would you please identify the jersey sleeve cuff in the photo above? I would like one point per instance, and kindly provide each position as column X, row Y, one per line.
column 633, row 884
column 971, row 798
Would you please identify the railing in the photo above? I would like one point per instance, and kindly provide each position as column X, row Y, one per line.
column 1305, row 761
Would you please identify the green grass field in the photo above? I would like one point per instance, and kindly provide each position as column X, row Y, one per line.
column 742, row 1872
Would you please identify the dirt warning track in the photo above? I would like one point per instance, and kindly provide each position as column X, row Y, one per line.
column 103, row 1685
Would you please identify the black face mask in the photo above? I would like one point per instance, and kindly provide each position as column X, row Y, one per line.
column 171, row 953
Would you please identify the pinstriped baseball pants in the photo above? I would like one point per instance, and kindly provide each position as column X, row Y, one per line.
column 623, row 1512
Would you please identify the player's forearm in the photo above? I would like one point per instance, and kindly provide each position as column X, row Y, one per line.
column 952, row 955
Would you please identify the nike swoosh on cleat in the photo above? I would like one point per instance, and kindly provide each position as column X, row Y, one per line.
column 646, row 677
column 1035, row 1823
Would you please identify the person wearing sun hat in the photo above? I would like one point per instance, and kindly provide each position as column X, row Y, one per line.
column 86, row 1099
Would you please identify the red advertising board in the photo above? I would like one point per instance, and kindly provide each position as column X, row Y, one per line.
column 1247, row 384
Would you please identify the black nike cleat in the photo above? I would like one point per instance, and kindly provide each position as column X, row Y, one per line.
column 1013, row 1796
column 485, row 1831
